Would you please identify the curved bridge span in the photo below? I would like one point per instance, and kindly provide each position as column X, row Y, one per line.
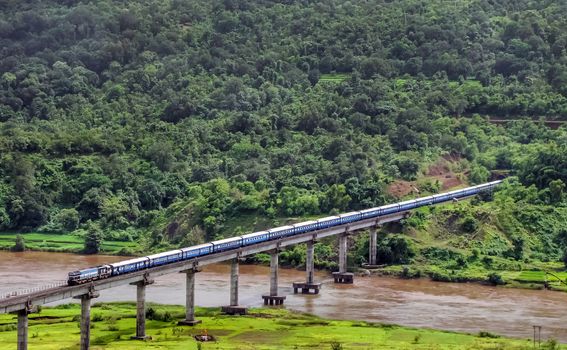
column 23, row 304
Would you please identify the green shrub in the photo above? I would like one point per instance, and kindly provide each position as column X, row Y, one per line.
column 395, row 249
column 485, row 334
column 551, row 344
column 8, row 328
column 416, row 339
column 441, row 277
column 408, row 272
column 441, row 255
column 126, row 252
column 152, row 314
column 336, row 346
column 446, row 277
column 495, row 279
column 67, row 220
column 469, row 224
column 19, row 245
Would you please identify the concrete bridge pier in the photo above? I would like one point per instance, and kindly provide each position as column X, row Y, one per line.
column 190, row 298
column 273, row 298
column 372, row 249
column 342, row 276
column 141, row 308
column 23, row 325
column 23, row 329
column 234, row 308
column 86, row 318
column 309, row 286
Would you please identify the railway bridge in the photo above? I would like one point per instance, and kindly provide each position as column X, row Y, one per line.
column 24, row 304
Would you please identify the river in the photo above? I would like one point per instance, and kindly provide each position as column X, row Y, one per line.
column 418, row 303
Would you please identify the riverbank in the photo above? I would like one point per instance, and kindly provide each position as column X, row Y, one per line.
column 459, row 307
column 114, row 323
column 65, row 243
column 552, row 276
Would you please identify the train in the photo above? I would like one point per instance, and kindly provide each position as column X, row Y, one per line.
column 173, row 256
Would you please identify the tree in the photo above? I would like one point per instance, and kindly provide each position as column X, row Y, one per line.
column 20, row 244
column 518, row 244
column 408, row 166
column 161, row 154
column 478, row 174
column 336, row 197
column 93, row 239
column 67, row 219
column 556, row 189
column 90, row 205
column 395, row 249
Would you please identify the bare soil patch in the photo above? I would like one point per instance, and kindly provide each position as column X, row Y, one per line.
column 438, row 171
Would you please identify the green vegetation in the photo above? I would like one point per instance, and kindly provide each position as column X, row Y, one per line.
column 93, row 239
column 146, row 125
column 113, row 324
column 74, row 243
column 20, row 244
column 515, row 239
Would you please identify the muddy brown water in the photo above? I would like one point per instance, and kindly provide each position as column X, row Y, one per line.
column 418, row 303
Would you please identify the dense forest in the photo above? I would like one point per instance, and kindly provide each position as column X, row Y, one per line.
column 169, row 121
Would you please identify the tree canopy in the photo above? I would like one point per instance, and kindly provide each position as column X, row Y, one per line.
column 134, row 114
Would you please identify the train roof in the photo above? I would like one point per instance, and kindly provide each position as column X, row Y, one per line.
column 129, row 261
column 389, row 206
column 205, row 245
column 88, row 269
column 305, row 223
column 161, row 255
column 254, row 234
column 227, row 240
column 348, row 214
column 328, row 218
column 281, row 228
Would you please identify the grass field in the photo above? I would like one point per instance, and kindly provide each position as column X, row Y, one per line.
column 266, row 329
column 61, row 243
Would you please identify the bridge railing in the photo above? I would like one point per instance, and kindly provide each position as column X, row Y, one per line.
column 20, row 292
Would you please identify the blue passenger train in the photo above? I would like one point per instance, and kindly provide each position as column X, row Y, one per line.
column 137, row 264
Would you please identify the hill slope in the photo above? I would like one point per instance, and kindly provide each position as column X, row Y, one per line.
column 173, row 120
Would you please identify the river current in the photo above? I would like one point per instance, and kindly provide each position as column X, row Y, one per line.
column 419, row 303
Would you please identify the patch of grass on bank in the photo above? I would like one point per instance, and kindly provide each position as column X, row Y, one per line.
column 512, row 279
column 114, row 323
column 63, row 243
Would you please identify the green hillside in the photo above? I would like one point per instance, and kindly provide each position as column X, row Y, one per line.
column 167, row 123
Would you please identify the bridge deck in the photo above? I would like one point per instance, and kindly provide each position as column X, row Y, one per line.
column 20, row 302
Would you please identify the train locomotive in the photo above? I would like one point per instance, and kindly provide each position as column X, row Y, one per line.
column 142, row 263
